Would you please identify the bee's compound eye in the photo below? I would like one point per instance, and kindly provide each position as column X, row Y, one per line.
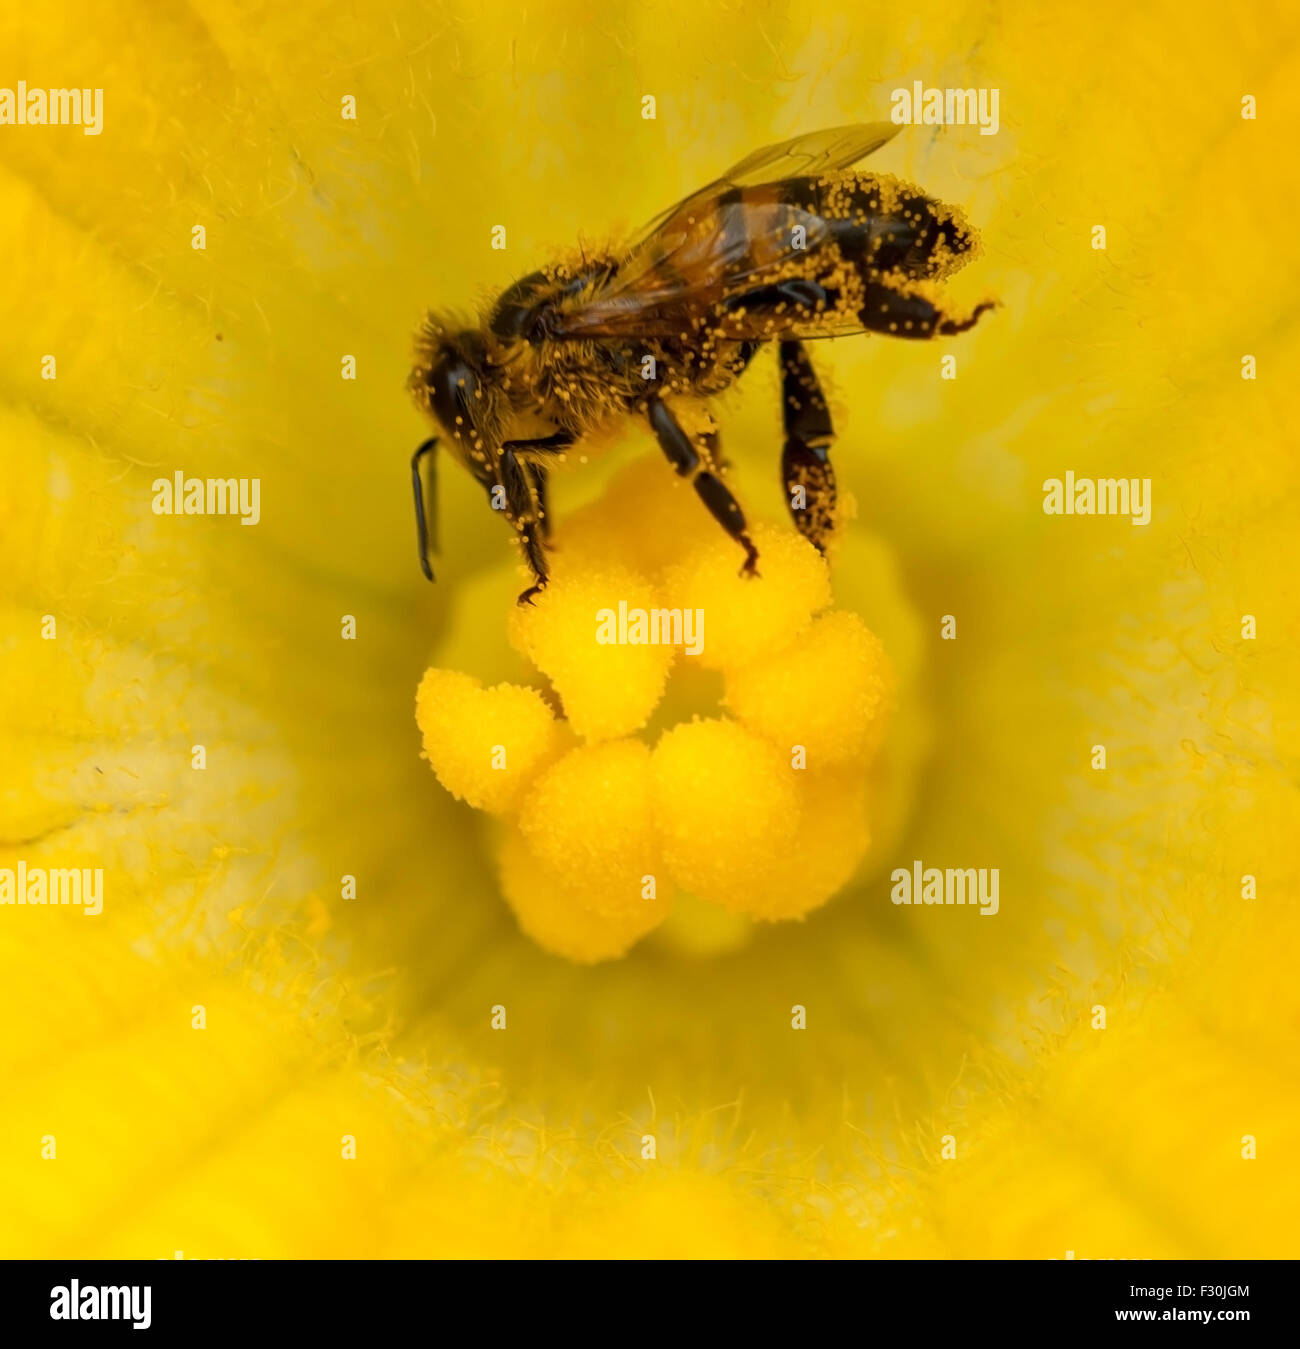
column 453, row 383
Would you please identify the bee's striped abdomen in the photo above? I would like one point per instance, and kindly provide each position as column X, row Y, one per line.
column 883, row 223
column 847, row 251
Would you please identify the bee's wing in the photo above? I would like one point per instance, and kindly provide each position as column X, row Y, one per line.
column 774, row 251
column 806, row 156
column 835, row 147
column 690, row 261
column 706, row 267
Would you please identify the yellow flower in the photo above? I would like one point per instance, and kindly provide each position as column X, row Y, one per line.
column 764, row 812
column 304, row 1023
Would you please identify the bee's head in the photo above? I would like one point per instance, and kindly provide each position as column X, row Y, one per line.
column 450, row 378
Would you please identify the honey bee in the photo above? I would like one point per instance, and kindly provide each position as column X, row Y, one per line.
column 790, row 245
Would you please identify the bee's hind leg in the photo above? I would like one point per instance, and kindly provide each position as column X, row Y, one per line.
column 806, row 468
column 685, row 458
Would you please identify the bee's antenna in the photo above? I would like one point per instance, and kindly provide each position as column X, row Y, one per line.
column 421, row 523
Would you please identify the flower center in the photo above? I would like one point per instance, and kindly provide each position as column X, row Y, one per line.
column 631, row 813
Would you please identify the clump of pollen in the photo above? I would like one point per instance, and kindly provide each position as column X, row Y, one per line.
column 692, row 751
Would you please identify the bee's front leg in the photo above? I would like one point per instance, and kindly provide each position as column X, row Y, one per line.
column 538, row 478
column 523, row 510
column 425, row 526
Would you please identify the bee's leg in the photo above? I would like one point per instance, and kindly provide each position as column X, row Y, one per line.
column 898, row 312
column 522, row 511
column 947, row 326
column 725, row 509
column 736, row 364
column 685, row 458
column 526, row 505
column 422, row 530
column 806, row 468
column 559, row 440
column 537, row 478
